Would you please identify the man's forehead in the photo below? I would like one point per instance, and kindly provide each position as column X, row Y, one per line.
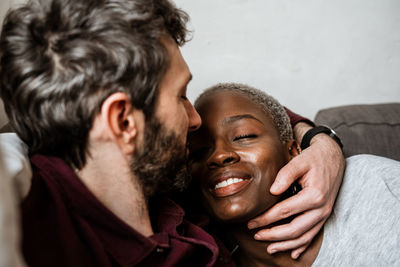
column 177, row 73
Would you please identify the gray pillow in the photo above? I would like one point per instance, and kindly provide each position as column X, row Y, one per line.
column 372, row 129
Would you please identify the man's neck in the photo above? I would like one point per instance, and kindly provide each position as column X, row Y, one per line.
column 111, row 181
column 254, row 253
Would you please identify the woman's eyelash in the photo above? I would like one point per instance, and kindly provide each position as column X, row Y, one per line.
column 244, row 136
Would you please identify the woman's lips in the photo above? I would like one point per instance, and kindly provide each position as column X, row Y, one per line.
column 229, row 186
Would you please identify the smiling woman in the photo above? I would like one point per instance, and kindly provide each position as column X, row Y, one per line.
column 240, row 160
column 245, row 139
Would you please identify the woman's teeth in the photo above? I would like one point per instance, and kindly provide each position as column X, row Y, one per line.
column 228, row 182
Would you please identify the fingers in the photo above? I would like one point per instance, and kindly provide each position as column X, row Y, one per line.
column 298, row 245
column 292, row 230
column 306, row 199
column 297, row 252
column 288, row 175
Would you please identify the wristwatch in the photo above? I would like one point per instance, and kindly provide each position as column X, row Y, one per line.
column 305, row 142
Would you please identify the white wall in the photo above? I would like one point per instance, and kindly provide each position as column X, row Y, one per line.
column 4, row 6
column 309, row 54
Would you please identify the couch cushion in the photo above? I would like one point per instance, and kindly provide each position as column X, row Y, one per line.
column 372, row 129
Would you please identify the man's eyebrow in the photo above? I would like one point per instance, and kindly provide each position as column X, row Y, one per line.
column 185, row 83
column 239, row 117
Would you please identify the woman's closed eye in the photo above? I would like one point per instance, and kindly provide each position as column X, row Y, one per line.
column 244, row 137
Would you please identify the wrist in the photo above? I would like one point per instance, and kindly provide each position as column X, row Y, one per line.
column 300, row 129
column 317, row 131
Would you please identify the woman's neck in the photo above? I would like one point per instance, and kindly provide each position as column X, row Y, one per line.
column 254, row 253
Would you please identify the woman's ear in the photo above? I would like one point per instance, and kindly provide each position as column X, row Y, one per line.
column 293, row 148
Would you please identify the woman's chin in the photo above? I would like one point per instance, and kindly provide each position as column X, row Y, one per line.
column 237, row 214
column 234, row 218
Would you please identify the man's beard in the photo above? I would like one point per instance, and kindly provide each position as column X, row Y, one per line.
column 161, row 163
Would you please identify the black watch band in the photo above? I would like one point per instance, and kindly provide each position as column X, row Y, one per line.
column 305, row 142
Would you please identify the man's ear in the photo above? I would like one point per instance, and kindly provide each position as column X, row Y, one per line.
column 293, row 148
column 121, row 120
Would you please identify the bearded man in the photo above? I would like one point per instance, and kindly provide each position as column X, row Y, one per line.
column 97, row 90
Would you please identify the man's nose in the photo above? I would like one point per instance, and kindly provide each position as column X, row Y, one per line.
column 194, row 118
column 222, row 156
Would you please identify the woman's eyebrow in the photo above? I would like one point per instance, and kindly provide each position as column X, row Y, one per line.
column 232, row 119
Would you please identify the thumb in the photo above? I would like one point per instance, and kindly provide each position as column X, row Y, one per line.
column 288, row 175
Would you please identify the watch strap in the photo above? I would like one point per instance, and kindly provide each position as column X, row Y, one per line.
column 305, row 142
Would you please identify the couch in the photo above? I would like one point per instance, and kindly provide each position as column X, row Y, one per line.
column 365, row 129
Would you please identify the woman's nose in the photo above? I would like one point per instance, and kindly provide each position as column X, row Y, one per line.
column 222, row 156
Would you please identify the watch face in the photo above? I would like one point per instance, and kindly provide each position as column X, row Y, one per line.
column 332, row 131
column 335, row 136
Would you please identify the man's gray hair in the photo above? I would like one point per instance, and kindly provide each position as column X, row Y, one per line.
column 60, row 59
column 267, row 103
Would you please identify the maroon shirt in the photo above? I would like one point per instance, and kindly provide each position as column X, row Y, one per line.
column 65, row 225
column 296, row 118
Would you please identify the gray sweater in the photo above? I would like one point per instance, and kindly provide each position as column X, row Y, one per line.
column 364, row 228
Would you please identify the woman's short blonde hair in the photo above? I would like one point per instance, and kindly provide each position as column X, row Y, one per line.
column 267, row 103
